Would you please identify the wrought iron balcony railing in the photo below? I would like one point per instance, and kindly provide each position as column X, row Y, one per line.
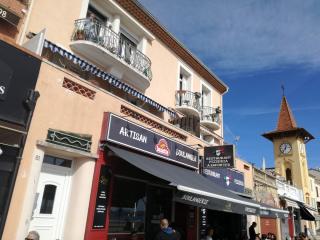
column 98, row 33
column 186, row 98
column 211, row 114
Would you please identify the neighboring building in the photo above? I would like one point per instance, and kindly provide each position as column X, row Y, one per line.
column 291, row 163
column 315, row 173
column 266, row 192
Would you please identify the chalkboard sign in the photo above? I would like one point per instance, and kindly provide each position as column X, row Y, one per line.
column 100, row 213
column 203, row 223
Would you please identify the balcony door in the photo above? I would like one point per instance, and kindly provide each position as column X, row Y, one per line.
column 51, row 202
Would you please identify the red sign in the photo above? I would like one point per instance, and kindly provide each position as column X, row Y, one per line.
column 162, row 147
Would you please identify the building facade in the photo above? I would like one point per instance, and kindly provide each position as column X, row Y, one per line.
column 106, row 65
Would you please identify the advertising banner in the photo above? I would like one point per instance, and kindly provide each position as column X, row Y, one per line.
column 226, row 177
column 134, row 136
column 219, row 156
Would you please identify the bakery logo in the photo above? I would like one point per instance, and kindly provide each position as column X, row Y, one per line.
column 6, row 74
column 162, row 147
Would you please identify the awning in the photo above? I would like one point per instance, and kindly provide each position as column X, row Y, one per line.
column 272, row 212
column 304, row 213
column 192, row 188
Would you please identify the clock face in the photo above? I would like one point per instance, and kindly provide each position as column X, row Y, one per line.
column 285, row 148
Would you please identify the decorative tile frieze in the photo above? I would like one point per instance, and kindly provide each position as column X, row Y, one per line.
column 129, row 112
column 79, row 89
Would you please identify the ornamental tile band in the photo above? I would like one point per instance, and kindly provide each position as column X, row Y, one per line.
column 79, row 89
column 71, row 140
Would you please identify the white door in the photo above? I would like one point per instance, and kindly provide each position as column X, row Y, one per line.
column 51, row 202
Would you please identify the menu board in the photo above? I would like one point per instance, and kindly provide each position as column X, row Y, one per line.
column 100, row 212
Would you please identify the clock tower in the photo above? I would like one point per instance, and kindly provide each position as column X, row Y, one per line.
column 290, row 157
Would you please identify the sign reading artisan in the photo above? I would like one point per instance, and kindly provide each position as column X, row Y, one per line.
column 219, row 157
column 131, row 135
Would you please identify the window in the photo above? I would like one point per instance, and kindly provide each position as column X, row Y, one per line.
column 206, row 97
column 246, row 167
column 128, row 207
column 47, row 201
column 98, row 15
column 317, row 191
column 57, row 161
column 289, row 175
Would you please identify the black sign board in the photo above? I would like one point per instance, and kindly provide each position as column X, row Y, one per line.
column 9, row 16
column 131, row 135
column 215, row 203
column 18, row 75
column 219, row 156
column 203, row 222
column 100, row 213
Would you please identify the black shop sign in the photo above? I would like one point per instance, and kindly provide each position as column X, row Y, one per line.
column 9, row 16
column 219, row 156
column 100, row 211
column 18, row 76
column 136, row 137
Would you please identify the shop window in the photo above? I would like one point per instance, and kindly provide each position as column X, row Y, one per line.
column 128, row 207
column 57, row 161
column 48, row 199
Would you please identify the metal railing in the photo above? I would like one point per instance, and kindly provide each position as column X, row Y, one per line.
column 92, row 30
column 287, row 190
column 188, row 99
column 211, row 114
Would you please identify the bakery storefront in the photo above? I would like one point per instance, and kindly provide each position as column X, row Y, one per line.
column 142, row 176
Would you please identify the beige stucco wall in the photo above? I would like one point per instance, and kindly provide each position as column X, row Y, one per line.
column 248, row 173
column 57, row 17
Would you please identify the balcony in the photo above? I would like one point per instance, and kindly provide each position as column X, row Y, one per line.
column 210, row 117
column 188, row 102
column 289, row 191
column 102, row 46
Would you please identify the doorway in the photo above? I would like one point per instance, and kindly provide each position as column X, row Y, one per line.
column 51, row 198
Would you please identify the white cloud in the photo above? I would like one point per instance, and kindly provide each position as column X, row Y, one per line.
column 246, row 35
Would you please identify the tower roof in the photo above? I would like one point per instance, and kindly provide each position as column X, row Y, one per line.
column 286, row 119
column 287, row 125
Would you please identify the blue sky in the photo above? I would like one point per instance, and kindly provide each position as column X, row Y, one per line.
column 254, row 47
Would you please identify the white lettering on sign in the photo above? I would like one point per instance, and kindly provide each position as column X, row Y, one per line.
column 186, row 155
column 3, row 13
column 2, row 90
column 195, row 199
column 211, row 173
column 133, row 135
column 238, row 182
column 250, row 210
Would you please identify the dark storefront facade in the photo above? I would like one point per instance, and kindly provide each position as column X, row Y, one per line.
column 142, row 176
column 19, row 73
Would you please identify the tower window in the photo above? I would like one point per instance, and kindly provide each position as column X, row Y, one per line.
column 289, row 175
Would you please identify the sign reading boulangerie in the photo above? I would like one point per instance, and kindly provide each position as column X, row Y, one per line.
column 131, row 135
column 219, row 156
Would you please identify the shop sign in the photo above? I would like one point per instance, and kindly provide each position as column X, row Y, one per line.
column 214, row 203
column 100, row 212
column 134, row 136
column 18, row 75
column 9, row 16
column 203, row 222
column 219, row 156
column 226, row 177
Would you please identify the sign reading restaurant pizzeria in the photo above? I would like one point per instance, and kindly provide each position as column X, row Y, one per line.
column 129, row 134
column 219, row 156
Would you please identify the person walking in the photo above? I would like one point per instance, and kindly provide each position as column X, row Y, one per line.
column 166, row 232
column 33, row 235
column 210, row 232
column 252, row 232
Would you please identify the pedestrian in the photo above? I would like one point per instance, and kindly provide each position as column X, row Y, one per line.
column 303, row 236
column 252, row 232
column 33, row 235
column 210, row 232
column 166, row 232
column 305, row 230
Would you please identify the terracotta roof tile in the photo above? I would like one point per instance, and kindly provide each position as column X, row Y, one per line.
column 286, row 119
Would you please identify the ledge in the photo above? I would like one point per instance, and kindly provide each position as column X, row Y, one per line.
column 66, row 151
